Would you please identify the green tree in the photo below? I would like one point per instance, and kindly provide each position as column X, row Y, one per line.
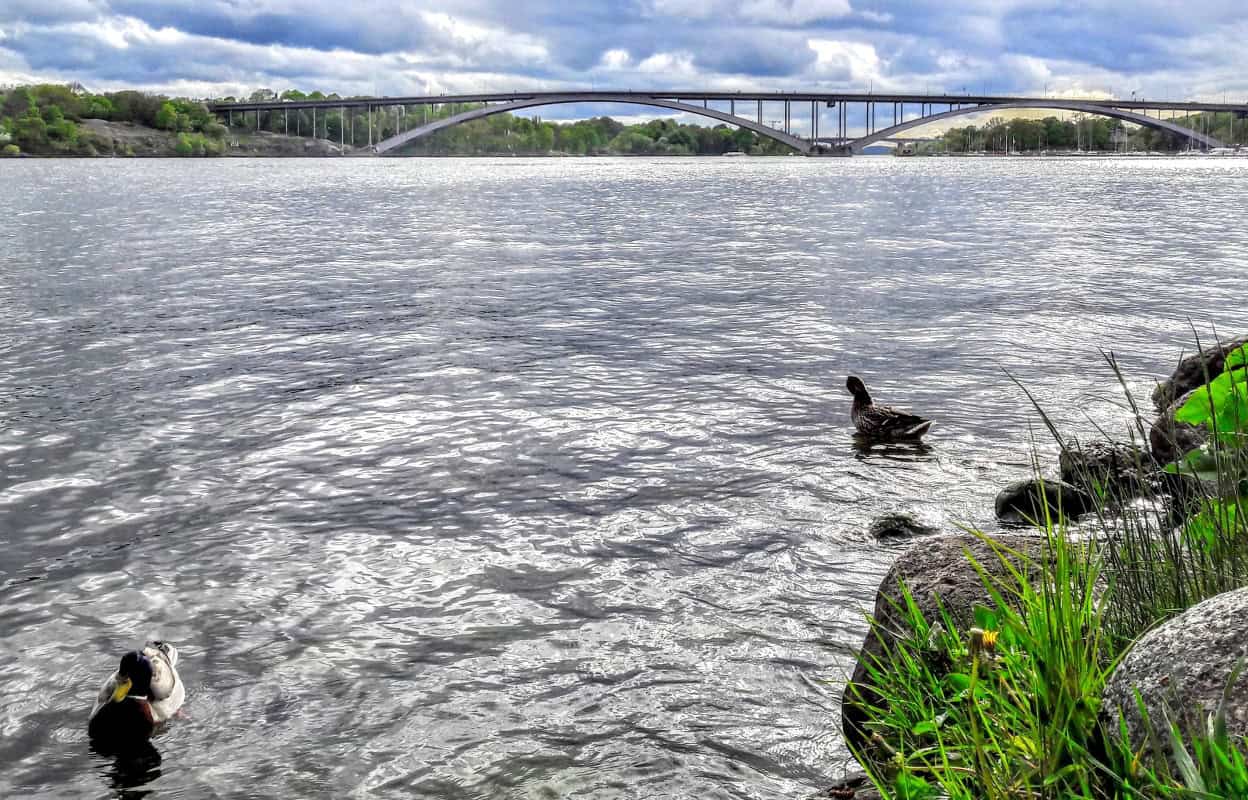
column 18, row 102
column 11, row 150
column 544, row 137
column 30, row 133
column 743, row 140
column 631, row 142
column 167, row 117
column 96, row 107
column 184, row 147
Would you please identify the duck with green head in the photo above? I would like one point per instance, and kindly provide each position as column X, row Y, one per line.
column 144, row 692
column 881, row 422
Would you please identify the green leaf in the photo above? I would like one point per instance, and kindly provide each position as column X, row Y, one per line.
column 1237, row 357
column 923, row 727
column 912, row 787
column 960, row 681
column 1197, row 409
column 1187, row 767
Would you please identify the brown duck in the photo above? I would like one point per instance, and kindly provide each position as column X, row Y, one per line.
column 882, row 422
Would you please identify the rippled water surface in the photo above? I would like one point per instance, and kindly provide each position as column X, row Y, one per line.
column 530, row 478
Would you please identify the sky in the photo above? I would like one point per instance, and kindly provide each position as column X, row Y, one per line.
column 1172, row 49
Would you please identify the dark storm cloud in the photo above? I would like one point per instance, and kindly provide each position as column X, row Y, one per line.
column 746, row 53
column 396, row 29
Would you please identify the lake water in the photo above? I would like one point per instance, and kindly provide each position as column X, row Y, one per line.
column 531, row 478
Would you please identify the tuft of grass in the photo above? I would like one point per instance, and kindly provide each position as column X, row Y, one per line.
column 1009, row 708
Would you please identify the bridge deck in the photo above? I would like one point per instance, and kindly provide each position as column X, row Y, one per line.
column 747, row 97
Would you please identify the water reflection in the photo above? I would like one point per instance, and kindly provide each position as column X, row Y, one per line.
column 866, row 449
column 130, row 769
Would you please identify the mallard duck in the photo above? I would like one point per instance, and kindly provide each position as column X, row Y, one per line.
column 144, row 692
column 882, row 422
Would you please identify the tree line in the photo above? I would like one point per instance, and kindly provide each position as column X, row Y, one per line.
column 1086, row 133
column 499, row 134
column 46, row 119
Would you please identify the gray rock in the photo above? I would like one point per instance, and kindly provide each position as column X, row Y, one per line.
column 1117, row 469
column 1181, row 669
column 899, row 525
column 1169, row 439
column 1023, row 502
column 938, row 574
column 1192, row 371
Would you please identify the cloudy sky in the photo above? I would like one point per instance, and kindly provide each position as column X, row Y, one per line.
column 1163, row 48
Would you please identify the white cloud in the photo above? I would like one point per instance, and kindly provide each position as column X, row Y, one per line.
column 1028, row 70
column 479, row 43
column 794, row 12
column 883, row 18
column 615, row 59
column 120, row 33
column 668, row 64
column 858, row 61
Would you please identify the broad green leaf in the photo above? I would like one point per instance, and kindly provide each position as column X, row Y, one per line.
column 926, row 726
column 960, row 681
column 912, row 787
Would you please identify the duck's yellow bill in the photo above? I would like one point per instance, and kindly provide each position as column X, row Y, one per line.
column 121, row 691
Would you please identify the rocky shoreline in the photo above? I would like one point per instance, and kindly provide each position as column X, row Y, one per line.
column 1183, row 669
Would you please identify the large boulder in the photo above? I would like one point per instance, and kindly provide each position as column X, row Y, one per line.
column 938, row 574
column 1170, row 439
column 1181, row 670
column 1023, row 502
column 1117, row 469
column 1194, row 371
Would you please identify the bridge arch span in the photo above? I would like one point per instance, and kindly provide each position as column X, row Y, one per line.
column 400, row 139
column 1056, row 105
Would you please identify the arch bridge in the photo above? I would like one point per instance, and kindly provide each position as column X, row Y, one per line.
column 754, row 108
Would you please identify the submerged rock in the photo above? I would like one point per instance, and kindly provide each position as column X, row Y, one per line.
column 1023, row 502
column 856, row 786
column 938, row 575
column 1114, row 469
column 1170, row 439
column 1181, row 669
column 1194, row 371
column 899, row 525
